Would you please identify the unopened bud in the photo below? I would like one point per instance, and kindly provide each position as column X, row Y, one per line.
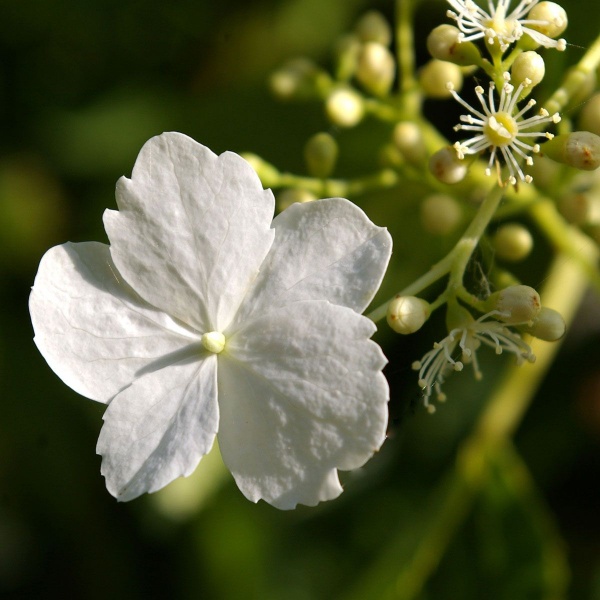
column 435, row 76
column 552, row 16
column 443, row 43
column 578, row 207
column 528, row 66
column 344, row 107
column 549, row 325
column 296, row 79
column 446, row 167
column 408, row 139
column 373, row 27
column 589, row 118
column 580, row 150
column 440, row 214
column 406, row 314
column 290, row 196
column 267, row 173
column 512, row 242
column 376, row 68
column 320, row 154
column 516, row 304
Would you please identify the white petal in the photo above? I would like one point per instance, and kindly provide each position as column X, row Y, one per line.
column 323, row 250
column 192, row 229
column 301, row 394
column 159, row 428
column 94, row 331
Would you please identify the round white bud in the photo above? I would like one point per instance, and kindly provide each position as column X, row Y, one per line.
column 579, row 149
column 548, row 325
column 444, row 43
column 446, row 167
column 373, row 27
column 435, row 76
column 516, row 304
column 344, row 107
column 290, row 196
column 440, row 214
column 406, row 314
column 589, row 117
column 408, row 139
column 554, row 19
column 376, row 68
column 528, row 65
column 512, row 242
column 296, row 79
column 320, row 154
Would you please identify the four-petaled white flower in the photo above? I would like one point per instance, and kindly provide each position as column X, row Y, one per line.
column 204, row 315
column 505, row 29
column 468, row 336
column 501, row 129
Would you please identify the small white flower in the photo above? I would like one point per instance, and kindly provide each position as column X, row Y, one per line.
column 496, row 26
column 438, row 363
column 502, row 129
column 203, row 316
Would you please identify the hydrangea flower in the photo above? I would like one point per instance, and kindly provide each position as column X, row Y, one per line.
column 204, row 316
column 502, row 129
column 505, row 29
column 467, row 337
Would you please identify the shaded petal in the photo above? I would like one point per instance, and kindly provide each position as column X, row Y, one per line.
column 323, row 250
column 192, row 229
column 159, row 428
column 301, row 394
column 94, row 331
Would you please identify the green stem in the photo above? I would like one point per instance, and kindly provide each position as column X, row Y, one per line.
column 405, row 53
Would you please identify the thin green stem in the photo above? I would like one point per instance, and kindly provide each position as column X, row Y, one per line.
column 405, row 53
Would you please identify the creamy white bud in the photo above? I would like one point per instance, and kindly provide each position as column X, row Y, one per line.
column 555, row 18
column 373, row 27
column 320, row 154
column 444, row 43
column 376, row 68
column 344, row 107
column 435, row 76
column 406, row 314
column 579, row 149
column 548, row 325
column 512, row 242
column 527, row 66
column 440, row 214
column 515, row 304
column 296, row 79
column 446, row 167
column 408, row 139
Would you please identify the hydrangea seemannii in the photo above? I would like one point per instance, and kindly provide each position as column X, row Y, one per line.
column 205, row 315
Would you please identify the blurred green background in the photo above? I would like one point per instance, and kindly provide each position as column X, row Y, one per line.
column 83, row 84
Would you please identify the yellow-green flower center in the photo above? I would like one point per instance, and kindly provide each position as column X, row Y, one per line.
column 213, row 341
column 501, row 129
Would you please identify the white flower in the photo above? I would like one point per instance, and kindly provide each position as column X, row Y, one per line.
column 502, row 129
column 438, row 363
column 203, row 316
column 505, row 29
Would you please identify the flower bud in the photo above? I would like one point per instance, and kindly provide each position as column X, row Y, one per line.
column 373, row 27
column 554, row 19
column 435, row 76
column 589, row 118
column 512, row 242
column 576, row 207
column 320, row 154
column 376, row 68
column 408, row 139
column 528, row 65
column 290, row 196
column 516, row 304
column 344, row 107
column 267, row 173
column 443, row 43
column 296, row 79
column 346, row 53
column 406, row 314
column 548, row 325
column 440, row 214
column 446, row 167
column 580, row 150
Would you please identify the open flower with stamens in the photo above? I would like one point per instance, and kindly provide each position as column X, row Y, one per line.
column 496, row 26
column 466, row 338
column 502, row 129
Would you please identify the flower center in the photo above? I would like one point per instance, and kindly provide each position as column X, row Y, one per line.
column 500, row 129
column 213, row 341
